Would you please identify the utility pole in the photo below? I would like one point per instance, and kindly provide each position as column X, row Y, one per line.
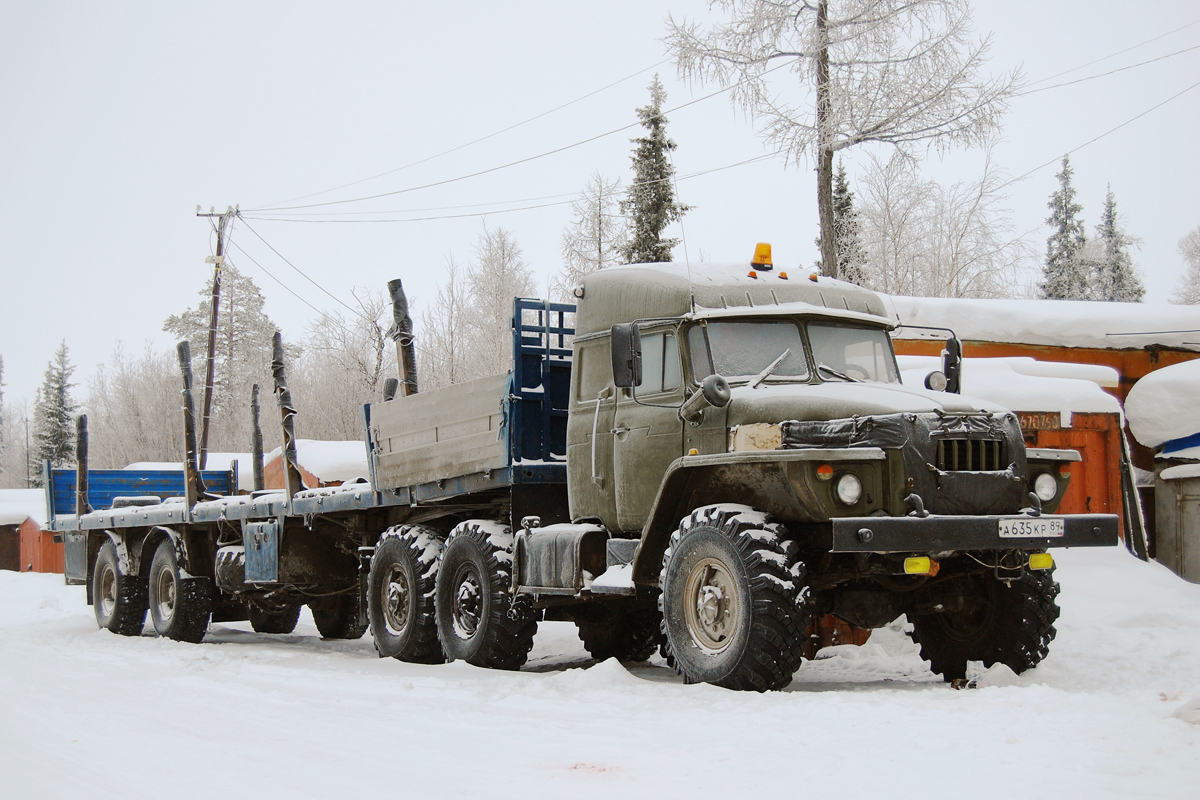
column 218, row 261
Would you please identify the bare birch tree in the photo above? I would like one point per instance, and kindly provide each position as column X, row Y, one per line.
column 497, row 274
column 929, row 240
column 441, row 335
column 134, row 410
column 595, row 237
column 1188, row 290
column 896, row 72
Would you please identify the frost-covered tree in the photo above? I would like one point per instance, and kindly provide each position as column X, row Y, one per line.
column 441, row 336
column 847, row 230
column 595, row 237
column 242, row 354
column 824, row 75
column 927, row 239
column 497, row 274
column 1188, row 290
column 3, row 419
column 1064, row 276
column 1115, row 277
column 54, row 412
column 17, row 458
column 650, row 203
column 344, row 362
column 135, row 409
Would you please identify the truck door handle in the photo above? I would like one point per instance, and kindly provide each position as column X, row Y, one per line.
column 619, row 431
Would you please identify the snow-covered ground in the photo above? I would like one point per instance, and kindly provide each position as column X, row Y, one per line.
column 248, row 715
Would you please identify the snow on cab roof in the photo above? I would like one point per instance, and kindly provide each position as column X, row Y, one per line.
column 1070, row 323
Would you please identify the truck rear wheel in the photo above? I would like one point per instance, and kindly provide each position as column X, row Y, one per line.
column 119, row 600
column 985, row 620
column 734, row 602
column 631, row 636
column 477, row 619
column 276, row 620
column 336, row 617
column 179, row 606
column 400, row 595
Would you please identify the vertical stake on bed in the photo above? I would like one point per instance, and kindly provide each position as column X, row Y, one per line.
column 401, row 333
column 256, row 441
column 193, row 486
column 81, row 466
column 287, row 413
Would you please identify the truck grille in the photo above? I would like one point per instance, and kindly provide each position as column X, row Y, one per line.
column 975, row 455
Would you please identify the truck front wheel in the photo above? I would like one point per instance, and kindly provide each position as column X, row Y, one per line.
column 477, row 618
column 734, row 602
column 985, row 619
column 180, row 605
column 119, row 599
column 400, row 596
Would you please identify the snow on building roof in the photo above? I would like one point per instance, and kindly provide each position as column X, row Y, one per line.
column 1165, row 405
column 24, row 502
column 1025, row 384
column 217, row 461
column 1070, row 323
column 329, row 461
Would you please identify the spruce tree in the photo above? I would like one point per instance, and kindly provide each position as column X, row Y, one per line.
column 1116, row 279
column 650, row 203
column 54, row 411
column 1064, row 277
column 847, row 232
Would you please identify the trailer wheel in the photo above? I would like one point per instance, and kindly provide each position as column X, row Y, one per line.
column 477, row 619
column 632, row 636
column 400, row 596
column 119, row 599
column 986, row 620
column 276, row 620
column 337, row 617
column 179, row 605
column 734, row 602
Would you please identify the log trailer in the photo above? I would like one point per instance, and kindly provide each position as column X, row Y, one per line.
column 714, row 461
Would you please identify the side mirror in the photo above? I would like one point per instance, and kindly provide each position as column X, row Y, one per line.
column 626, row 355
column 952, row 365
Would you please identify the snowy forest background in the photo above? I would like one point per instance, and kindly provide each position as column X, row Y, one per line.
column 888, row 227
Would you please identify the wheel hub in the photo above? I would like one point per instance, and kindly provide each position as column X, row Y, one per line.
column 467, row 605
column 396, row 595
column 166, row 595
column 711, row 605
column 108, row 591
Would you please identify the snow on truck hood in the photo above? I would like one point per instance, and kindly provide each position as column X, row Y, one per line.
column 822, row 401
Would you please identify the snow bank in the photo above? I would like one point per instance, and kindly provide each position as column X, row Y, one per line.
column 1054, row 322
column 1024, row 384
column 30, row 502
column 1165, row 405
column 329, row 461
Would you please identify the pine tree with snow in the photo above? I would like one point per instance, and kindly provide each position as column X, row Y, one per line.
column 1116, row 279
column 847, row 232
column 1064, row 276
column 54, row 412
column 1188, row 290
column 650, row 202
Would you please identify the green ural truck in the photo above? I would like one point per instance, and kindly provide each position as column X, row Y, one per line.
column 707, row 462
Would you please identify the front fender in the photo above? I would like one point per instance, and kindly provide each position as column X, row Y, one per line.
column 769, row 481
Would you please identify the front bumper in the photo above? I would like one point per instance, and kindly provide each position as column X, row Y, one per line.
column 938, row 533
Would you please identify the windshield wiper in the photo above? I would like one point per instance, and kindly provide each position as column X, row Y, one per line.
column 835, row 373
column 762, row 376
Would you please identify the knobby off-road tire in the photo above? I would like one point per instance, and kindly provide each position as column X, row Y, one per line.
column 179, row 605
column 477, row 618
column 735, row 605
column 336, row 616
column 995, row 624
column 119, row 600
column 630, row 636
column 276, row 620
column 400, row 595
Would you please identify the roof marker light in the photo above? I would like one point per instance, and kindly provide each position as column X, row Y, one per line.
column 783, row 276
column 813, row 277
column 752, row 274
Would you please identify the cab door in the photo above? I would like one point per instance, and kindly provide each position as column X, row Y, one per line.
column 647, row 432
column 590, row 483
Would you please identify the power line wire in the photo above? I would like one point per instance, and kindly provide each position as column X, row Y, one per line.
column 480, row 139
column 1110, row 72
column 1113, row 55
column 297, row 269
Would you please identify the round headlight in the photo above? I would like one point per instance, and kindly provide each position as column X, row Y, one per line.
column 936, row 381
column 1045, row 487
column 849, row 489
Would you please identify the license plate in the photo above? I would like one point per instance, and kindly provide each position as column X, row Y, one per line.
column 1031, row 527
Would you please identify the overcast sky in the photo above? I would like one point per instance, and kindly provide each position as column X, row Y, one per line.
column 118, row 118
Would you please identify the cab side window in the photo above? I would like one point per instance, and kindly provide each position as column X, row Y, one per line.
column 660, row 363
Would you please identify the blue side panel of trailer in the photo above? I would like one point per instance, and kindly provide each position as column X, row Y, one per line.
column 106, row 484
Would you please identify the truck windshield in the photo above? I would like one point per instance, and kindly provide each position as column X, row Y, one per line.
column 850, row 352
column 740, row 350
